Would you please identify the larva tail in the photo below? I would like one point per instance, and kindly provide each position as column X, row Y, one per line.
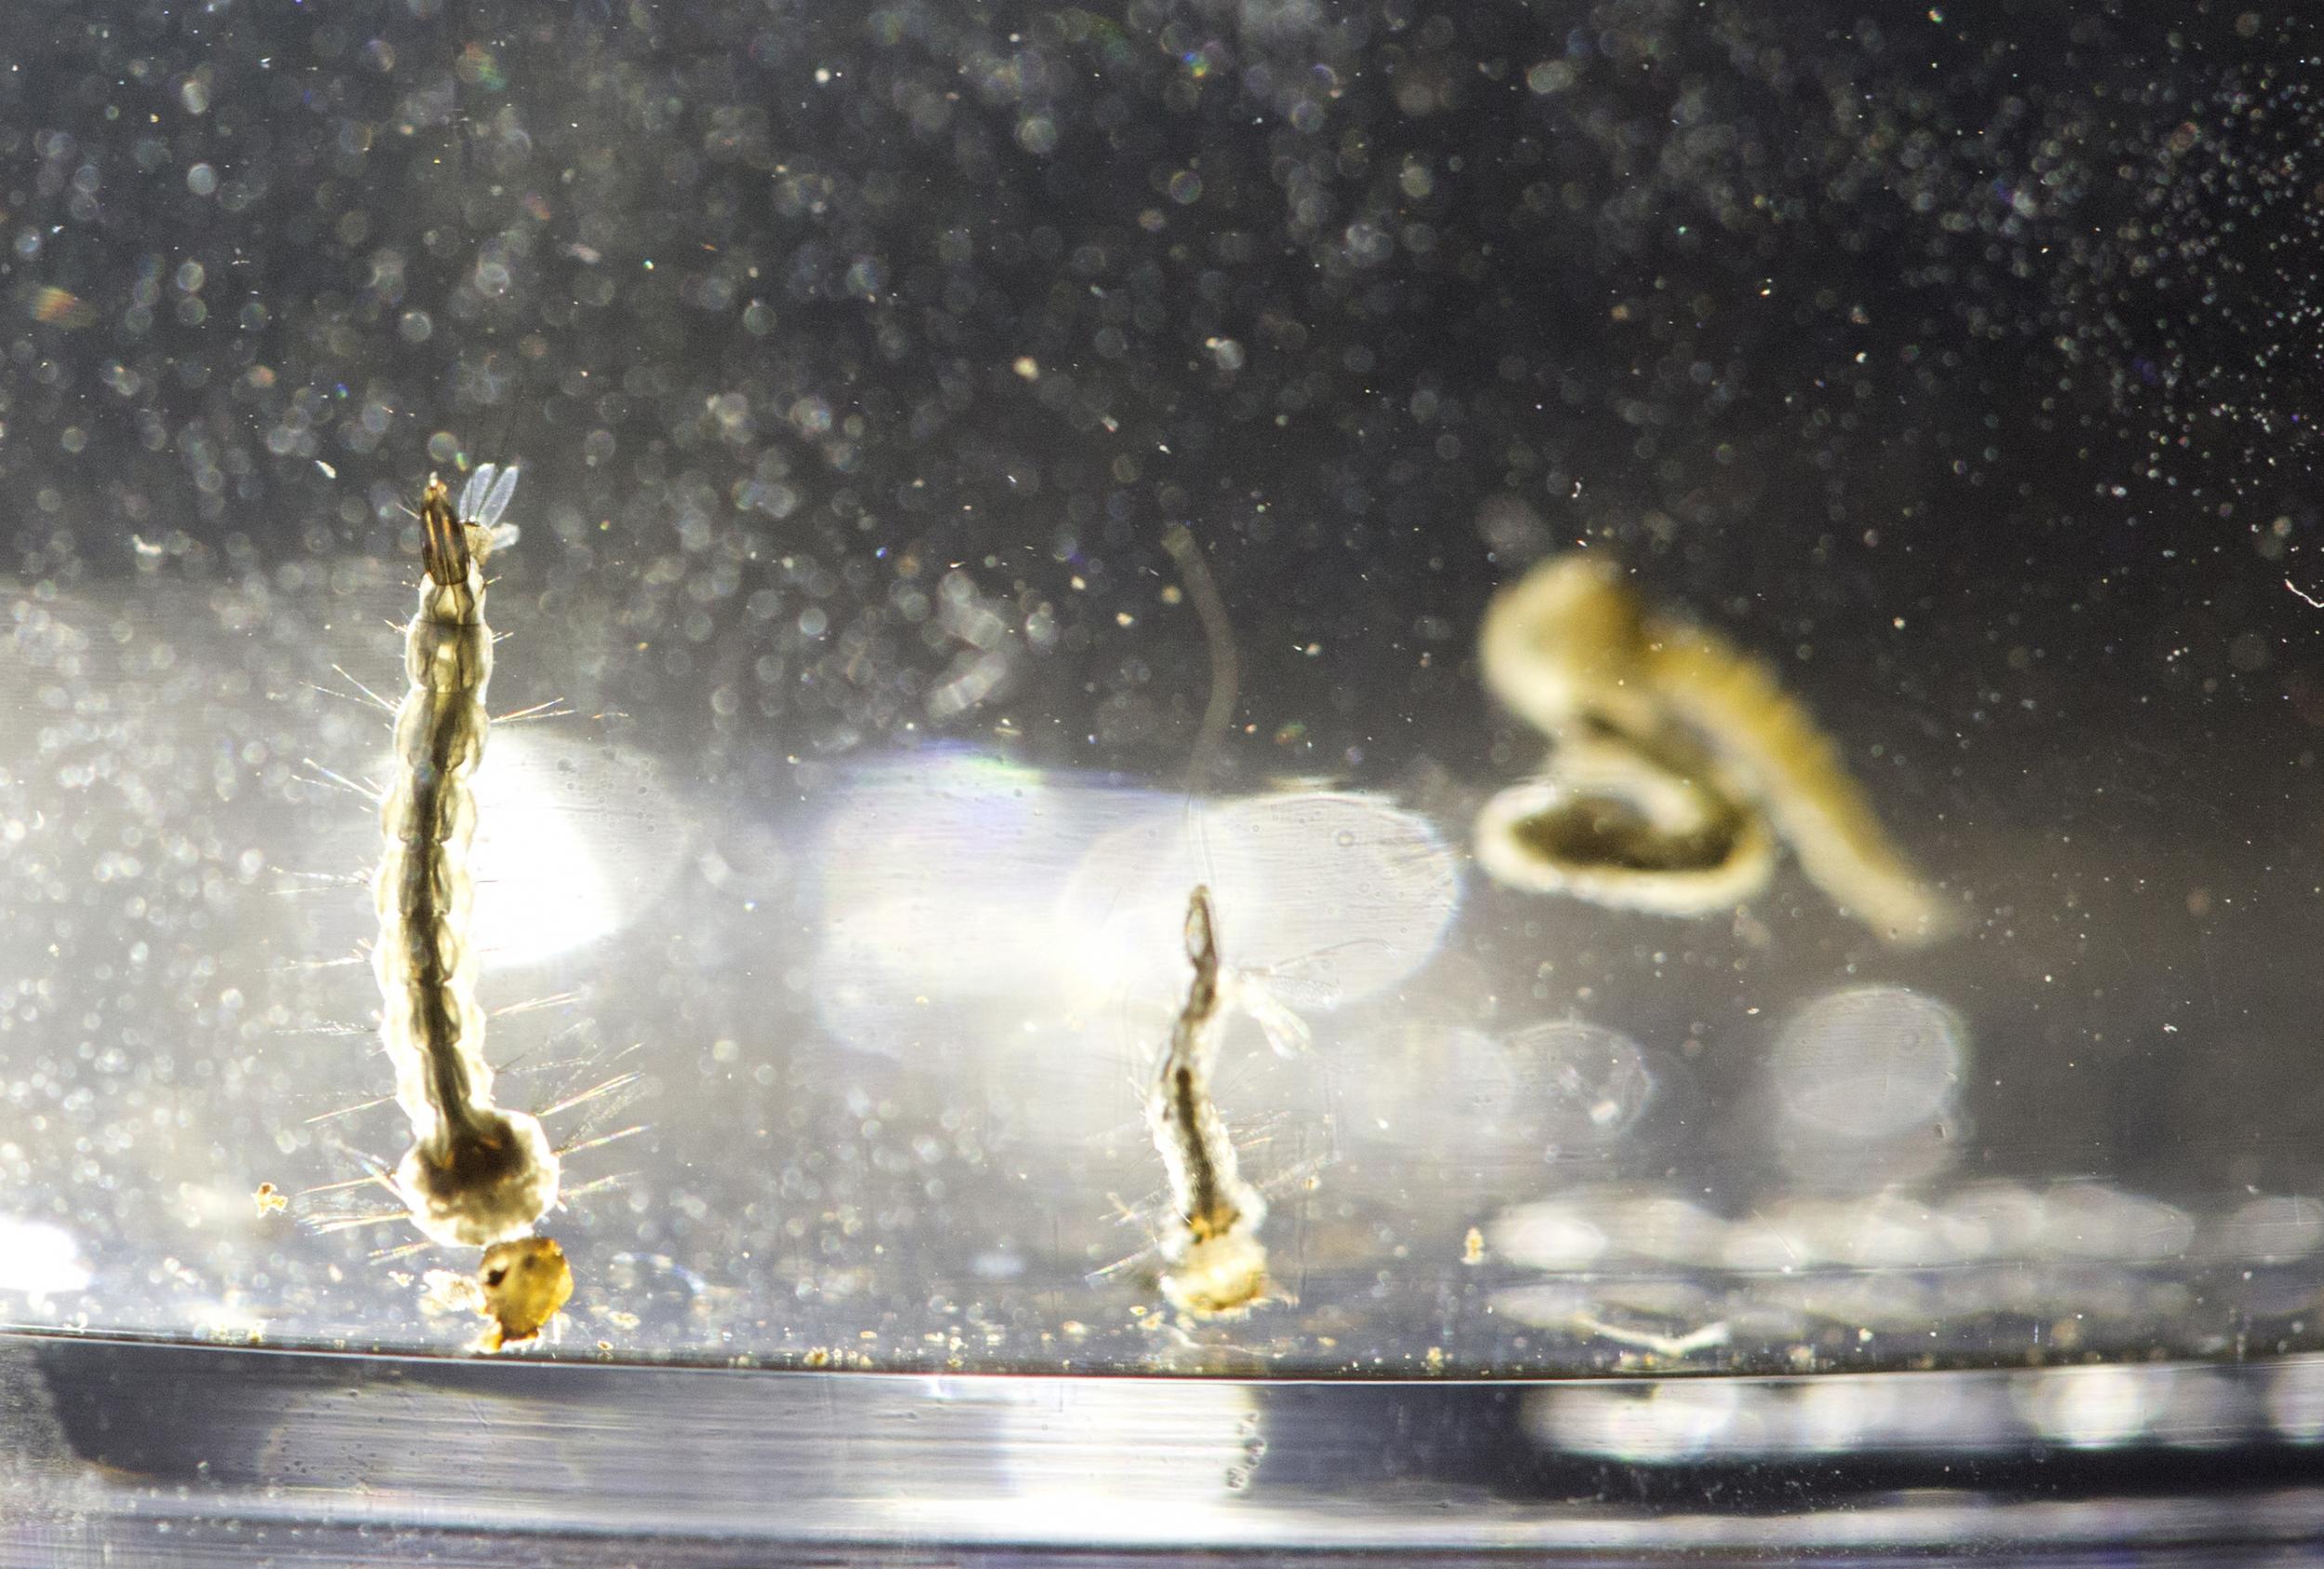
column 1771, row 740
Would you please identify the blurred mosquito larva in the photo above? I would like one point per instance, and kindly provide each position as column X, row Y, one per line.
column 1214, row 1262
column 1679, row 760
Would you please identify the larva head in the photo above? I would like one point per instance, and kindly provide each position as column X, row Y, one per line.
column 1565, row 644
column 1202, row 932
column 443, row 543
column 481, row 1184
column 1226, row 1273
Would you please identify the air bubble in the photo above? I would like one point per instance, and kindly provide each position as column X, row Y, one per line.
column 1591, row 1082
column 1869, row 1063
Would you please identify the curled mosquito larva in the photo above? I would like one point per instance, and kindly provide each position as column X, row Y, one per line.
column 1213, row 1260
column 475, row 1174
column 524, row 1283
column 1679, row 759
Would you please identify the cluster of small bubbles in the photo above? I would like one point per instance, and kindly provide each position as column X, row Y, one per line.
column 131, row 864
column 2194, row 300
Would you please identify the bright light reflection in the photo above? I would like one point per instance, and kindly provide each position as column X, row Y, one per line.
column 39, row 1259
column 1891, row 1260
column 1831, row 1413
column 544, row 820
column 2295, row 1400
column 1671, row 1421
column 1329, row 897
column 2273, row 1230
column 2092, row 1407
column 955, row 880
column 1121, row 1463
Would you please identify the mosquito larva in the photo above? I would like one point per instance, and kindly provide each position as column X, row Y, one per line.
column 1213, row 1259
column 475, row 1174
column 1679, row 757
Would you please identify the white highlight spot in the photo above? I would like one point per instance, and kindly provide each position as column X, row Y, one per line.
column 541, row 884
column 39, row 1259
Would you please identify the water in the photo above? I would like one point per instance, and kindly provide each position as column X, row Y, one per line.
column 1959, row 372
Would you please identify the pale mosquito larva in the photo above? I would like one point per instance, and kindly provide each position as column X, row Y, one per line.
column 1214, row 1262
column 476, row 1174
column 1679, row 759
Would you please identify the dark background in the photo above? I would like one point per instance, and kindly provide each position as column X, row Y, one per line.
column 1965, row 315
